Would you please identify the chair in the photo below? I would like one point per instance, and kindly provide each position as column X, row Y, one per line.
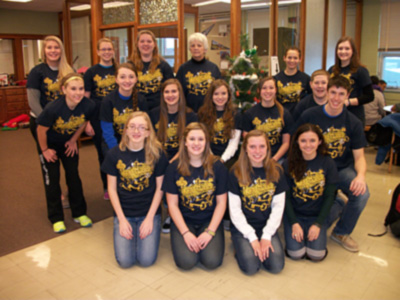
column 392, row 154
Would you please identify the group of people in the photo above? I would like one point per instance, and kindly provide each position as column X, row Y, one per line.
column 178, row 139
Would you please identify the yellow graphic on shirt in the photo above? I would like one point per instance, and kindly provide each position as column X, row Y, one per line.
column 104, row 85
column 150, row 82
column 348, row 77
column 52, row 89
column 134, row 177
column 289, row 93
column 198, row 194
column 258, row 195
column 310, row 187
column 272, row 127
column 119, row 119
column 198, row 84
column 172, row 135
column 218, row 128
column 336, row 138
column 70, row 126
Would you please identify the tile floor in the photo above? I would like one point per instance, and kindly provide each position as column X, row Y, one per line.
column 81, row 265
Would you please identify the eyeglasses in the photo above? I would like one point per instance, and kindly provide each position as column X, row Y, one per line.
column 106, row 49
column 140, row 128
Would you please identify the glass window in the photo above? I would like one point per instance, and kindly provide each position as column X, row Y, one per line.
column 167, row 49
column 390, row 70
column 31, row 53
column 119, row 37
column 6, row 58
column 81, row 42
column 119, row 11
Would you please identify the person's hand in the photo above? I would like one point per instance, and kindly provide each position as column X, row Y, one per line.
column 89, row 129
column 257, row 249
column 266, row 247
column 191, row 242
column 125, row 229
column 313, row 233
column 72, row 148
column 297, row 232
column 358, row 186
column 146, row 228
column 50, row 155
column 204, row 239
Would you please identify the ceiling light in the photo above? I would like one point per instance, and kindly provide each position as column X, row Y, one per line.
column 23, row 1
column 106, row 5
column 258, row 4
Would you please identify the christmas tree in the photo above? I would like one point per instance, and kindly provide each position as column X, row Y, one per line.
column 244, row 74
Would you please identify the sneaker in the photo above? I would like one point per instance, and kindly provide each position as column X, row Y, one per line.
column 166, row 228
column 346, row 241
column 84, row 221
column 59, row 227
column 106, row 195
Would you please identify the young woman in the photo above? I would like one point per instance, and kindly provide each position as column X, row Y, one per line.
column 292, row 84
column 256, row 202
column 195, row 185
column 119, row 104
column 135, row 172
column 99, row 82
column 312, row 177
column 348, row 65
column 270, row 117
column 171, row 117
column 153, row 70
column 220, row 117
column 43, row 84
column 59, row 127
column 197, row 74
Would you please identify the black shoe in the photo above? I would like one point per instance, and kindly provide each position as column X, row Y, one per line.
column 166, row 228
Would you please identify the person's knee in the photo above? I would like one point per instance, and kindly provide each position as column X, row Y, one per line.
column 185, row 264
column 147, row 261
column 211, row 263
column 316, row 255
column 296, row 254
column 277, row 266
column 126, row 263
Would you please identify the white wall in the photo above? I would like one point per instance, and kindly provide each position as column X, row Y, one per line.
column 334, row 30
column 314, row 36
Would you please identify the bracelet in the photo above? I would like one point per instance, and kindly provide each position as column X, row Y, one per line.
column 183, row 234
column 348, row 100
column 210, row 232
column 45, row 150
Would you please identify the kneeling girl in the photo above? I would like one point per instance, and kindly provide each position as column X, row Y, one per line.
column 135, row 171
column 196, row 190
column 256, row 202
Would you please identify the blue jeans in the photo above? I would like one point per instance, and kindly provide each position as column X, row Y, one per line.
column 349, row 213
column 211, row 257
column 248, row 262
column 314, row 249
column 143, row 252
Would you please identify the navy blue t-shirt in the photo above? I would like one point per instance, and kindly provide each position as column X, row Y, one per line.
column 100, row 81
column 290, row 89
column 257, row 197
column 358, row 81
column 136, row 180
column 342, row 133
column 195, row 78
column 307, row 194
column 45, row 80
column 269, row 121
column 197, row 194
column 149, row 84
column 218, row 141
column 116, row 110
column 62, row 121
column 304, row 104
column 171, row 146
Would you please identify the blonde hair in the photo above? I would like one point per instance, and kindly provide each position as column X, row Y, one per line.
column 70, row 77
column 183, row 156
column 152, row 147
column 243, row 168
column 200, row 37
column 63, row 67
